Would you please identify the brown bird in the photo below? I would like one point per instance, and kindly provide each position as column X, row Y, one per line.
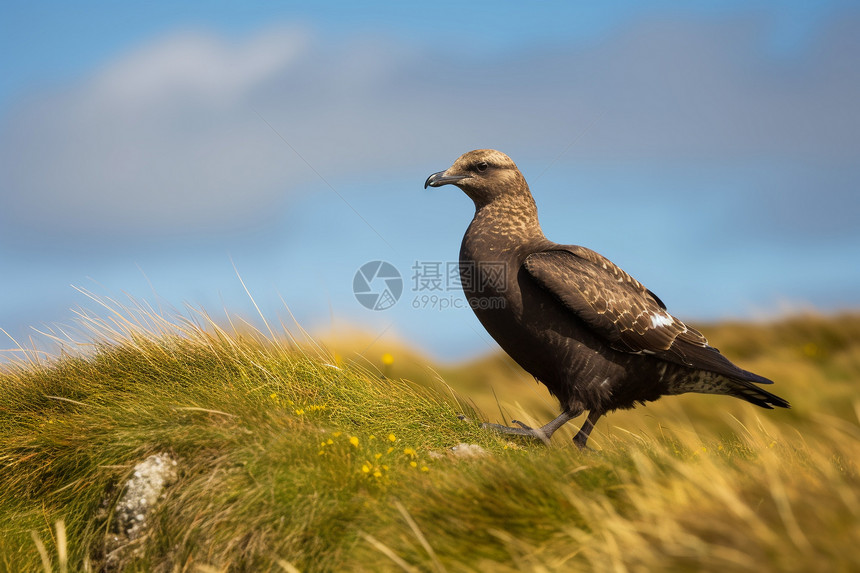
column 595, row 336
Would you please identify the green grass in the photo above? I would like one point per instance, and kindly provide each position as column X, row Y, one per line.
column 291, row 457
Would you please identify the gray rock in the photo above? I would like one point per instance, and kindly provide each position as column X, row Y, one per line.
column 140, row 496
column 468, row 451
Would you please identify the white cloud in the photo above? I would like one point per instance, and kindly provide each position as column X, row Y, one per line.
column 196, row 67
column 167, row 139
column 159, row 140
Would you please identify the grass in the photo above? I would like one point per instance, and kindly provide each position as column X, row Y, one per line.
column 292, row 458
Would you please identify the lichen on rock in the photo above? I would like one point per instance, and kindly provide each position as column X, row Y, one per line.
column 140, row 496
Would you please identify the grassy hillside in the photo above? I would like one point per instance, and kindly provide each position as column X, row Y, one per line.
column 291, row 457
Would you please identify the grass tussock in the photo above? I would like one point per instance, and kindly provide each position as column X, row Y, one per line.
column 292, row 458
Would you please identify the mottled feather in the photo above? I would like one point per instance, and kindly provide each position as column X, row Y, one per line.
column 622, row 311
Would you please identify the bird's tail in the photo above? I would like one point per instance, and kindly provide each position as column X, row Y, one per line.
column 746, row 390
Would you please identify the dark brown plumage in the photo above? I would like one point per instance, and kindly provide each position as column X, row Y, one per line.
column 590, row 332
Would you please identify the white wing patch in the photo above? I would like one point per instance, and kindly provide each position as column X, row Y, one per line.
column 658, row 320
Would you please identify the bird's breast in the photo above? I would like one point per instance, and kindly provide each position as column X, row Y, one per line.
column 488, row 274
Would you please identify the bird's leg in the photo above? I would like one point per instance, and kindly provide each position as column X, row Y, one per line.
column 544, row 433
column 582, row 436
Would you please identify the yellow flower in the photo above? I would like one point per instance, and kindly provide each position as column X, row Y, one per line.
column 425, row 469
column 371, row 437
column 377, row 474
column 413, row 464
column 365, row 468
column 300, row 412
column 387, row 359
column 337, row 434
column 354, row 440
column 409, row 452
column 329, row 441
column 377, row 456
column 390, row 450
column 391, row 438
column 274, row 396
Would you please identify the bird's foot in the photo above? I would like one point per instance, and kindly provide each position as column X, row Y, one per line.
column 522, row 430
column 581, row 445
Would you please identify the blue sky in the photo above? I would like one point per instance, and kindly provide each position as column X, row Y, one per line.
column 708, row 148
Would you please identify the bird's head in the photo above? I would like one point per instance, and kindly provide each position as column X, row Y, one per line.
column 484, row 175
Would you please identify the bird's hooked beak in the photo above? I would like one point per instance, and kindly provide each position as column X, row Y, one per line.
column 440, row 178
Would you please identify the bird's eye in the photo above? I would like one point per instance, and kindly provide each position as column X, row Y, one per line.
column 482, row 166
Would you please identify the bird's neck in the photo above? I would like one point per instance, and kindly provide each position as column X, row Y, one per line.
column 506, row 224
column 511, row 215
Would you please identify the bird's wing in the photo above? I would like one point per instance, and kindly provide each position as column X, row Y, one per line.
column 620, row 310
